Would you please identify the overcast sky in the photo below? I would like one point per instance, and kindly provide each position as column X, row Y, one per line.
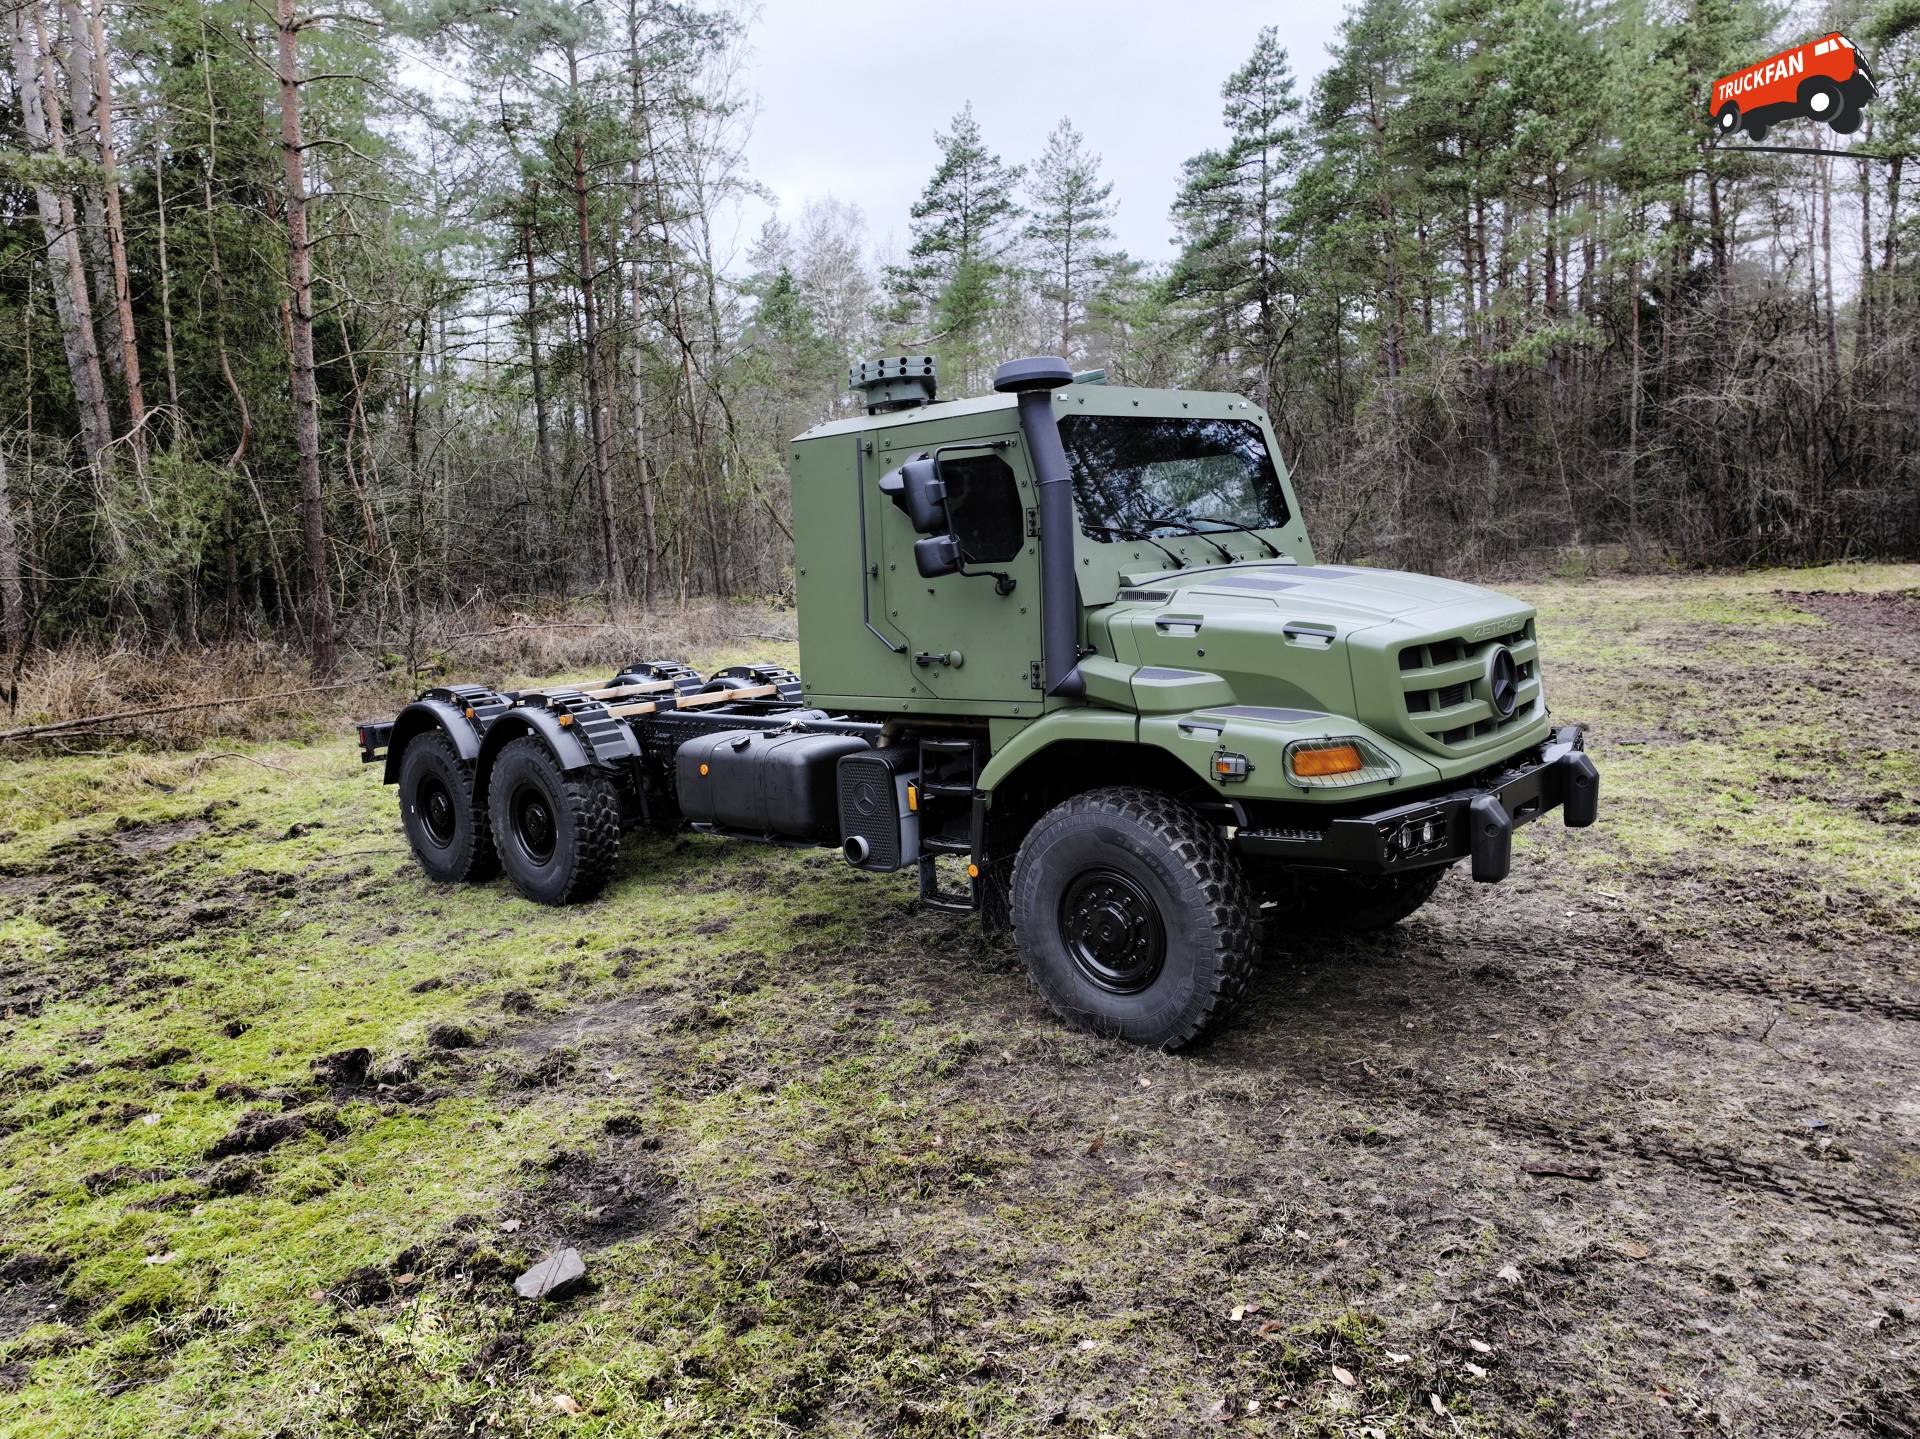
column 852, row 91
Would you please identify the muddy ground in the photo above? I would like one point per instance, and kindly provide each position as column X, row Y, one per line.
column 1628, row 1145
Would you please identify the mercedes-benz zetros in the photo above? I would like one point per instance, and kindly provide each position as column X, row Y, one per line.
column 1069, row 658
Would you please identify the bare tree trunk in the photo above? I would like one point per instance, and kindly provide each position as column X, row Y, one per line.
column 166, row 284
column 78, row 61
column 306, row 397
column 596, row 414
column 65, row 266
column 543, row 442
column 13, row 603
column 637, row 222
column 117, row 251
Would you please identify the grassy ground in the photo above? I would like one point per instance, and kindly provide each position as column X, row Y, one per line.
column 1626, row 1145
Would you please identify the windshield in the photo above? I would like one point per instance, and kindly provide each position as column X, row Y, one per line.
column 1155, row 476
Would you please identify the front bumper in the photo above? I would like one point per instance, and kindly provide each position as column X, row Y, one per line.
column 1476, row 822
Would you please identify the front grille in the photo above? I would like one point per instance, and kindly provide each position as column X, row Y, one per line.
column 1447, row 696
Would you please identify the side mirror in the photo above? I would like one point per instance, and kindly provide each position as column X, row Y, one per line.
column 937, row 556
column 916, row 487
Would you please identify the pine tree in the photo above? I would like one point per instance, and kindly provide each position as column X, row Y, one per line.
column 952, row 287
column 1071, row 206
column 1235, row 260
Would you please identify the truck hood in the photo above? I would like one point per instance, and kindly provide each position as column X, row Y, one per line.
column 1404, row 654
column 1349, row 594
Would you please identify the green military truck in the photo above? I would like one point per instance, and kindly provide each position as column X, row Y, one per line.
column 1068, row 657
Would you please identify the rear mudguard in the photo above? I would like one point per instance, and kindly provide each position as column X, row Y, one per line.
column 431, row 712
column 532, row 720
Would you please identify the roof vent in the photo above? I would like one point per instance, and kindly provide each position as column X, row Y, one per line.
column 896, row 383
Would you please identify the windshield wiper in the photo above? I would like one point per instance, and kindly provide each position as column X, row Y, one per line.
column 1191, row 528
column 1231, row 525
column 1128, row 532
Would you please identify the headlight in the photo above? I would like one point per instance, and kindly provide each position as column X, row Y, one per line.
column 1338, row 763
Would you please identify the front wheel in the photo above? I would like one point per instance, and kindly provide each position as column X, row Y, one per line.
column 558, row 833
column 1133, row 916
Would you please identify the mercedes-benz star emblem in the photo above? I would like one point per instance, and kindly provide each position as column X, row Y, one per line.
column 1503, row 681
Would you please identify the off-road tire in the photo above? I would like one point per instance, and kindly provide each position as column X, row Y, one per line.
column 1728, row 119
column 1310, row 904
column 1848, row 121
column 1152, row 852
column 566, row 852
column 446, row 824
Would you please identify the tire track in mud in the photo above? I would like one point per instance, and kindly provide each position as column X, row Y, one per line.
column 1714, row 1164
column 1651, row 960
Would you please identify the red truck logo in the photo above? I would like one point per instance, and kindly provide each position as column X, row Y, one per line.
column 1825, row 79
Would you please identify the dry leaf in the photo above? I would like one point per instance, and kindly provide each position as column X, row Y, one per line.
column 166, row 1258
column 1509, row 1273
column 1479, row 1346
column 405, row 1278
column 565, row 1403
column 1271, row 1329
column 1253, row 1406
column 1372, row 1433
column 1399, row 1358
column 1099, row 1140
column 1475, row 1370
column 508, row 1226
column 1345, row 1376
column 1438, row 1407
column 1145, row 1083
column 1239, row 1313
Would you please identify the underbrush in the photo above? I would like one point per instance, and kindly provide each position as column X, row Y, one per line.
column 177, row 698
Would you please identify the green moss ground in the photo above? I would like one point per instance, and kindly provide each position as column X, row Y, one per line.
column 833, row 1168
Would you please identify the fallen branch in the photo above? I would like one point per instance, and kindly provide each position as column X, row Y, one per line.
column 58, row 726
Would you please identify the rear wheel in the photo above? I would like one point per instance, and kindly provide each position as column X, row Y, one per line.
column 445, row 824
column 1133, row 916
column 1728, row 119
column 1848, row 121
column 1297, row 903
column 1821, row 99
column 558, row 833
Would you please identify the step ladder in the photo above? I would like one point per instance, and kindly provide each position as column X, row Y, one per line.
column 949, row 770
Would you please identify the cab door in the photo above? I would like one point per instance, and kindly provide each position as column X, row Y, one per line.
column 972, row 637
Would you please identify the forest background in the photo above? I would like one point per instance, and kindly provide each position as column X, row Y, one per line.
column 296, row 352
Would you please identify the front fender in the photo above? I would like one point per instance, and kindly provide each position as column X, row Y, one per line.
column 1057, row 727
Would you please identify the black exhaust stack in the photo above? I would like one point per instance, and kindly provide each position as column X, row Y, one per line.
column 1033, row 380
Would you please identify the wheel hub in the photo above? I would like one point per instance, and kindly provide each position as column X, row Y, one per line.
column 1113, row 931
column 436, row 812
column 533, row 823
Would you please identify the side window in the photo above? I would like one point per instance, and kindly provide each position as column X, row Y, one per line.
column 984, row 500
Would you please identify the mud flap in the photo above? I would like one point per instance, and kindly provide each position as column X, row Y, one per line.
column 1490, row 835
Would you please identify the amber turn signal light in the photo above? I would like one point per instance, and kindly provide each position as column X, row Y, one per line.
column 1334, row 759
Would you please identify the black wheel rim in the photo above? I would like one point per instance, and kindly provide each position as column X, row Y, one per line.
column 437, row 814
column 533, row 822
column 1113, row 930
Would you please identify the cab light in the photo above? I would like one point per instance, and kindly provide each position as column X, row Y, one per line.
column 1336, row 759
column 565, row 719
column 913, row 799
column 703, row 771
